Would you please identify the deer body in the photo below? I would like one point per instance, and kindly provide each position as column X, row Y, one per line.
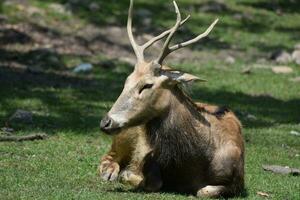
column 175, row 144
column 195, row 149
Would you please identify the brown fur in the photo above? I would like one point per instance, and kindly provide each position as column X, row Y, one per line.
column 185, row 158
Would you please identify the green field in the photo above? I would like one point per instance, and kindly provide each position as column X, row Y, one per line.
column 68, row 107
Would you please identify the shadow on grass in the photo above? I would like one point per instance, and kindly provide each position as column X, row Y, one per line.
column 69, row 102
column 266, row 109
column 40, row 58
column 115, row 13
column 18, row 47
column 283, row 5
column 267, row 47
column 288, row 30
column 243, row 194
column 59, row 102
column 64, row 102
column 9, row 36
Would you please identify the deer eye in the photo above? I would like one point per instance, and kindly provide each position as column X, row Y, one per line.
column 146, row 86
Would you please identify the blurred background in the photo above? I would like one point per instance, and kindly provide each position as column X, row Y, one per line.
column 63, row 64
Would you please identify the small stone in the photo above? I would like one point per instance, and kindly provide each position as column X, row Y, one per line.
column 263, row 194
column 282, row 70
column 58, row 8
column 6, row 129
column 238, row 16
column 296, row 133
column 143, row 13
column 246, row 115
column 53, row 59
column 296, row 79
column 3, row 18
column 229, row 60
column 21, row 116
column 246, row 70
column 296, row 56
column 261, row 66
column 35, row 69
column 262, row 61
column 277, row 169
column 84, row 67
column 243, row 16
column 146, row 22
column 34, row 10
column 251, row 117
column 107, row 64
column 297, row 46
column 94, row 7
column 281, row 57
column 213, row 6
column 74, row 1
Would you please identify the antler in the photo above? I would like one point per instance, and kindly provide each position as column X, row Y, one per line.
column 166, row 50
column 139, row 49
column 135, row 46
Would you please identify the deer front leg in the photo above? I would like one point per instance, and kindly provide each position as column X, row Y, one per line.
column 212, row 191
column 133, row 174
column 127, row 151
column 108, row 168
column 148, row 178
column 142, row 172
column 132, row 178
column 119, row 155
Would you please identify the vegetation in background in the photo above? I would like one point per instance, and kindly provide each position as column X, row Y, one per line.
column 69, row 106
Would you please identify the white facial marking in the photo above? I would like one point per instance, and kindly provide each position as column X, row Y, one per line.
column 119, row 119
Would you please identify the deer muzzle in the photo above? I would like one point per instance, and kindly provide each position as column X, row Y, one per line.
column 108, row 125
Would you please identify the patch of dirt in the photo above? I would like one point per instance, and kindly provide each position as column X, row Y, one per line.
column 36, row 43
column 112, row 41
column 29, row 36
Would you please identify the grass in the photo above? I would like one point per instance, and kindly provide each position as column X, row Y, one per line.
column 69, row 107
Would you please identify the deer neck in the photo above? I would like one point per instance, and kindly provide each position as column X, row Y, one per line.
column 179, row 134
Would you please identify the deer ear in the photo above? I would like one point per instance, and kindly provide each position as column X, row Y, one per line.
column 180, row 77
column 186, row 78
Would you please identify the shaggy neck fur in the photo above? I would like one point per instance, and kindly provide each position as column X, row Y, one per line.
column 180, row 134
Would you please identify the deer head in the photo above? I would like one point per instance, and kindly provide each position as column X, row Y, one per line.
column 148, row 88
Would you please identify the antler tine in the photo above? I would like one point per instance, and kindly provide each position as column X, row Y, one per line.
column 162, row 35
column 137, row 49
column 196, row 39
column 166, row 50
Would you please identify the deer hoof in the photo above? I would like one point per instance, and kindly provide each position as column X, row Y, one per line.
column 211, row 191
column 109, row 170
column 128, row 177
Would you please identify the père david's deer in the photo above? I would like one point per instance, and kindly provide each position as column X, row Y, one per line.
column 165, row 140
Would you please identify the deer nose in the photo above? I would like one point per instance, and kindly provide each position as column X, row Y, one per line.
column 108, row 125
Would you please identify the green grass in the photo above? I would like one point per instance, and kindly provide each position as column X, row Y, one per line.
column 69, row 108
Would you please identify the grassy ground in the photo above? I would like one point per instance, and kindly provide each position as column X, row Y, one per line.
column 69, row 107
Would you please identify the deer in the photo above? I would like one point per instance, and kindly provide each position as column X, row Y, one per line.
column 163, row 140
